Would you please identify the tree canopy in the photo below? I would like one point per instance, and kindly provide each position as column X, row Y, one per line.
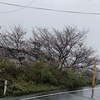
column 67, row 47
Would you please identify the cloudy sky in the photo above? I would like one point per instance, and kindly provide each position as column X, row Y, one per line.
column 33, row 17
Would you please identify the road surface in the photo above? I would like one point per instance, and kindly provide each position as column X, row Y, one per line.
column 87, row 93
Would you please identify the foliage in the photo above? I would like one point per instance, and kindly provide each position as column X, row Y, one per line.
column 68, row 47
column 36, row 77
column 7, row 69
column 57, row 56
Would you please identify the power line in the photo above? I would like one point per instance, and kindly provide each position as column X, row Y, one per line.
column 47, row 9
column 16, row 9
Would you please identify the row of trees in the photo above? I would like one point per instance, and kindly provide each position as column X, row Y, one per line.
column 42, row 59
column 67, row 47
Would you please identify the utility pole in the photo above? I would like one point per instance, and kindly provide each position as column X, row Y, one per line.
column 94, row 74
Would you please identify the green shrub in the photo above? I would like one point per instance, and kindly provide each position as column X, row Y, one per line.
column 37, row 76
column 7, row 68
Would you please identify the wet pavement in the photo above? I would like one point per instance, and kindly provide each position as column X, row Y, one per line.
column 87, row 93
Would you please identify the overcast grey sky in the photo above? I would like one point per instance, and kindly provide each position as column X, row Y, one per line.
column 31, row 17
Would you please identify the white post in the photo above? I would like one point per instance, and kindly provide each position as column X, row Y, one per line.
column 5, row 87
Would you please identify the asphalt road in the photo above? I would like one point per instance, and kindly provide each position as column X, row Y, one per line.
column 87, row 93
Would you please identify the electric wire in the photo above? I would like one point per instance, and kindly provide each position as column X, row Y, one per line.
column 22, row 7
column 47, row 9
